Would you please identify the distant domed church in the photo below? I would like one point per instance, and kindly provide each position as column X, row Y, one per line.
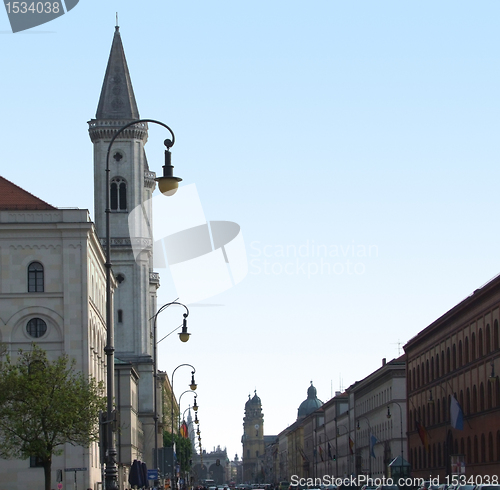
column 310, row 404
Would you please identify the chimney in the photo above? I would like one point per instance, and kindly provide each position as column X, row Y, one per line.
column 383, row 361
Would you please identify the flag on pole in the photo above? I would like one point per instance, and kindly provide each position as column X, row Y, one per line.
column 184, row 430
column 456, row 414
column 330, row 451
column 351, row 445
column 321, row 453
column 373, row 441
column 424, row 436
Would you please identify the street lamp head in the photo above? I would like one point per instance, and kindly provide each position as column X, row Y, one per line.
column 195, row 406
column 193, row 385
column 184, row 335
column 357, row 426
column 168, row 184
column 196, row 421
column 431, row 400
column 388, row 412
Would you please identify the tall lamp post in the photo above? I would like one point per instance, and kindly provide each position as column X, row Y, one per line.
column 184, row 337
column 369, row 443
column 193, row 387
column 401, row 424
column 168, row 185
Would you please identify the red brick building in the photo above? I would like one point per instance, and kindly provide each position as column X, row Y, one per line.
column 457, row 356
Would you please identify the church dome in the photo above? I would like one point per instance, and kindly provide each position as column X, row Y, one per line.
column 256, row 399
column 310, row 404
column 253, row 401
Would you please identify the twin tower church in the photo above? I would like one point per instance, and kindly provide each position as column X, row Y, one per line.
column 257, row 460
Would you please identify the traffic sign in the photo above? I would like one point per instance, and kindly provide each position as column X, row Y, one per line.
column 75, row 469
column 152, row 474
column 59, row 486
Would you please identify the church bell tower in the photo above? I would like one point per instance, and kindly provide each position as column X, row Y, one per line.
column 253, row 441
column 131, row 185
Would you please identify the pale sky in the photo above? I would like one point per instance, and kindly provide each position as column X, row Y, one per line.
column 355, row 143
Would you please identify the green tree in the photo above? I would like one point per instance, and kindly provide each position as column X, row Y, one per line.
column 44, row 405
column 184, row 449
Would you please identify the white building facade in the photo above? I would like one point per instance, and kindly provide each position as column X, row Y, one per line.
column 52, row 292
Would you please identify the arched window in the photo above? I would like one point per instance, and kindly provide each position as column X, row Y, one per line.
column 118, row 194
column 36, row 328
column 495, row 335
column 466, row 348
column 481, row 397
column 498, row 445
column 483, row 449
column 432, row 368
column 490, row 396
column 488, row 339
column 469, row 451
column 460, row 354
column 476, row 450
column 448, row 359
column 467, row 402
column 474, row 399
column 35, row 278
column 437, row 366
column 473, row 347
column 454, row 357
column 490, row 448
column 427, row 371
column 480, row 342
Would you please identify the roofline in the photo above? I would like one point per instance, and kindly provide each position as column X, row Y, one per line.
column 476, row 295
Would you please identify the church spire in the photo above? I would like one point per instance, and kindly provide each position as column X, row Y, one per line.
column 117, row 99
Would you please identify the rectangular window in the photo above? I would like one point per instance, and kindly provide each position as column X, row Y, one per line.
column 35, row 462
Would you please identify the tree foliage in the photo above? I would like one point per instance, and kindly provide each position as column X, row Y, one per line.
column 184, row 449
column 44, row 405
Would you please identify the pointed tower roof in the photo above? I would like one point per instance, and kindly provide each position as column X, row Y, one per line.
column 13, row 197
column 117, row 99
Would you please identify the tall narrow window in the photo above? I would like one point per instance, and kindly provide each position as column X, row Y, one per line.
column 35, row 278
column 118, row 194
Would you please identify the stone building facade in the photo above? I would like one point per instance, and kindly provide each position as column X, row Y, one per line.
column 455, row 362
column 52, row 293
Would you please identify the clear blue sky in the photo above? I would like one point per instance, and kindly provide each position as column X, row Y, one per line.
column 349, row 125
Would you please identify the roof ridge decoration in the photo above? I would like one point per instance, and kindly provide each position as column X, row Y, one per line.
column 117, row 100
